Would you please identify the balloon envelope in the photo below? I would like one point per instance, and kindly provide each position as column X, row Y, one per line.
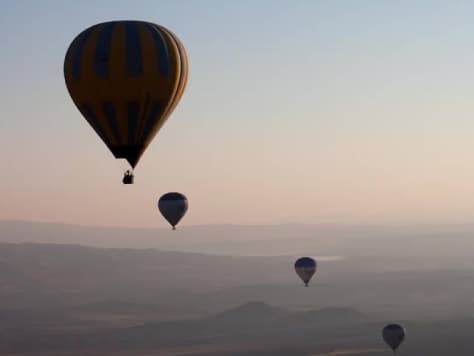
column 126, row 77
column 305, row 268
column 173, row 206
column 393, row 335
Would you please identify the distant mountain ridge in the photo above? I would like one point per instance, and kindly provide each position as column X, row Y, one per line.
column 258, row 311
column 286, row 239
column 244, row 321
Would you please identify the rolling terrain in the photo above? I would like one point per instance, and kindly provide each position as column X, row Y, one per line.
column 68, row 299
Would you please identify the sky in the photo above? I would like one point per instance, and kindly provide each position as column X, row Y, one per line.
column 295, row 112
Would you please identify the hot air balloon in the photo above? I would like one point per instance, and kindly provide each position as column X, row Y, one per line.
column 126, row 78
column 173, row 206
column 393, row 335
column 305, row 268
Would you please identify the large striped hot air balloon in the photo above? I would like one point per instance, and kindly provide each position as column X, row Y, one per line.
column 126, row 77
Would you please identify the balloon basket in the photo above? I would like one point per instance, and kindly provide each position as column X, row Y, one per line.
column 128, row 178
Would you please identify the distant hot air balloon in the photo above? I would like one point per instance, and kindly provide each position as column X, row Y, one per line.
column 305, row 268
column 173, row 206
column 126, row 77
column 393, row 335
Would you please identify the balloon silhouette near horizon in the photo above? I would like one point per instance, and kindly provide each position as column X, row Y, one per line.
column 126, row 78
column 393, row 335
column 305, row 268
column 173, row 207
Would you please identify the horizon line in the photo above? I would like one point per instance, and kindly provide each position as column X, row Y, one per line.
column 261, row 225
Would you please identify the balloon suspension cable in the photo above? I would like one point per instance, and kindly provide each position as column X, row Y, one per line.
column 174, row 228
column 306, row 284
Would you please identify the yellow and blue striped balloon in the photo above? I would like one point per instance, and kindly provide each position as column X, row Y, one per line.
column 126, row 77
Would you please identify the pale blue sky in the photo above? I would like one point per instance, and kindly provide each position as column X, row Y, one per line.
column 299, row 111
